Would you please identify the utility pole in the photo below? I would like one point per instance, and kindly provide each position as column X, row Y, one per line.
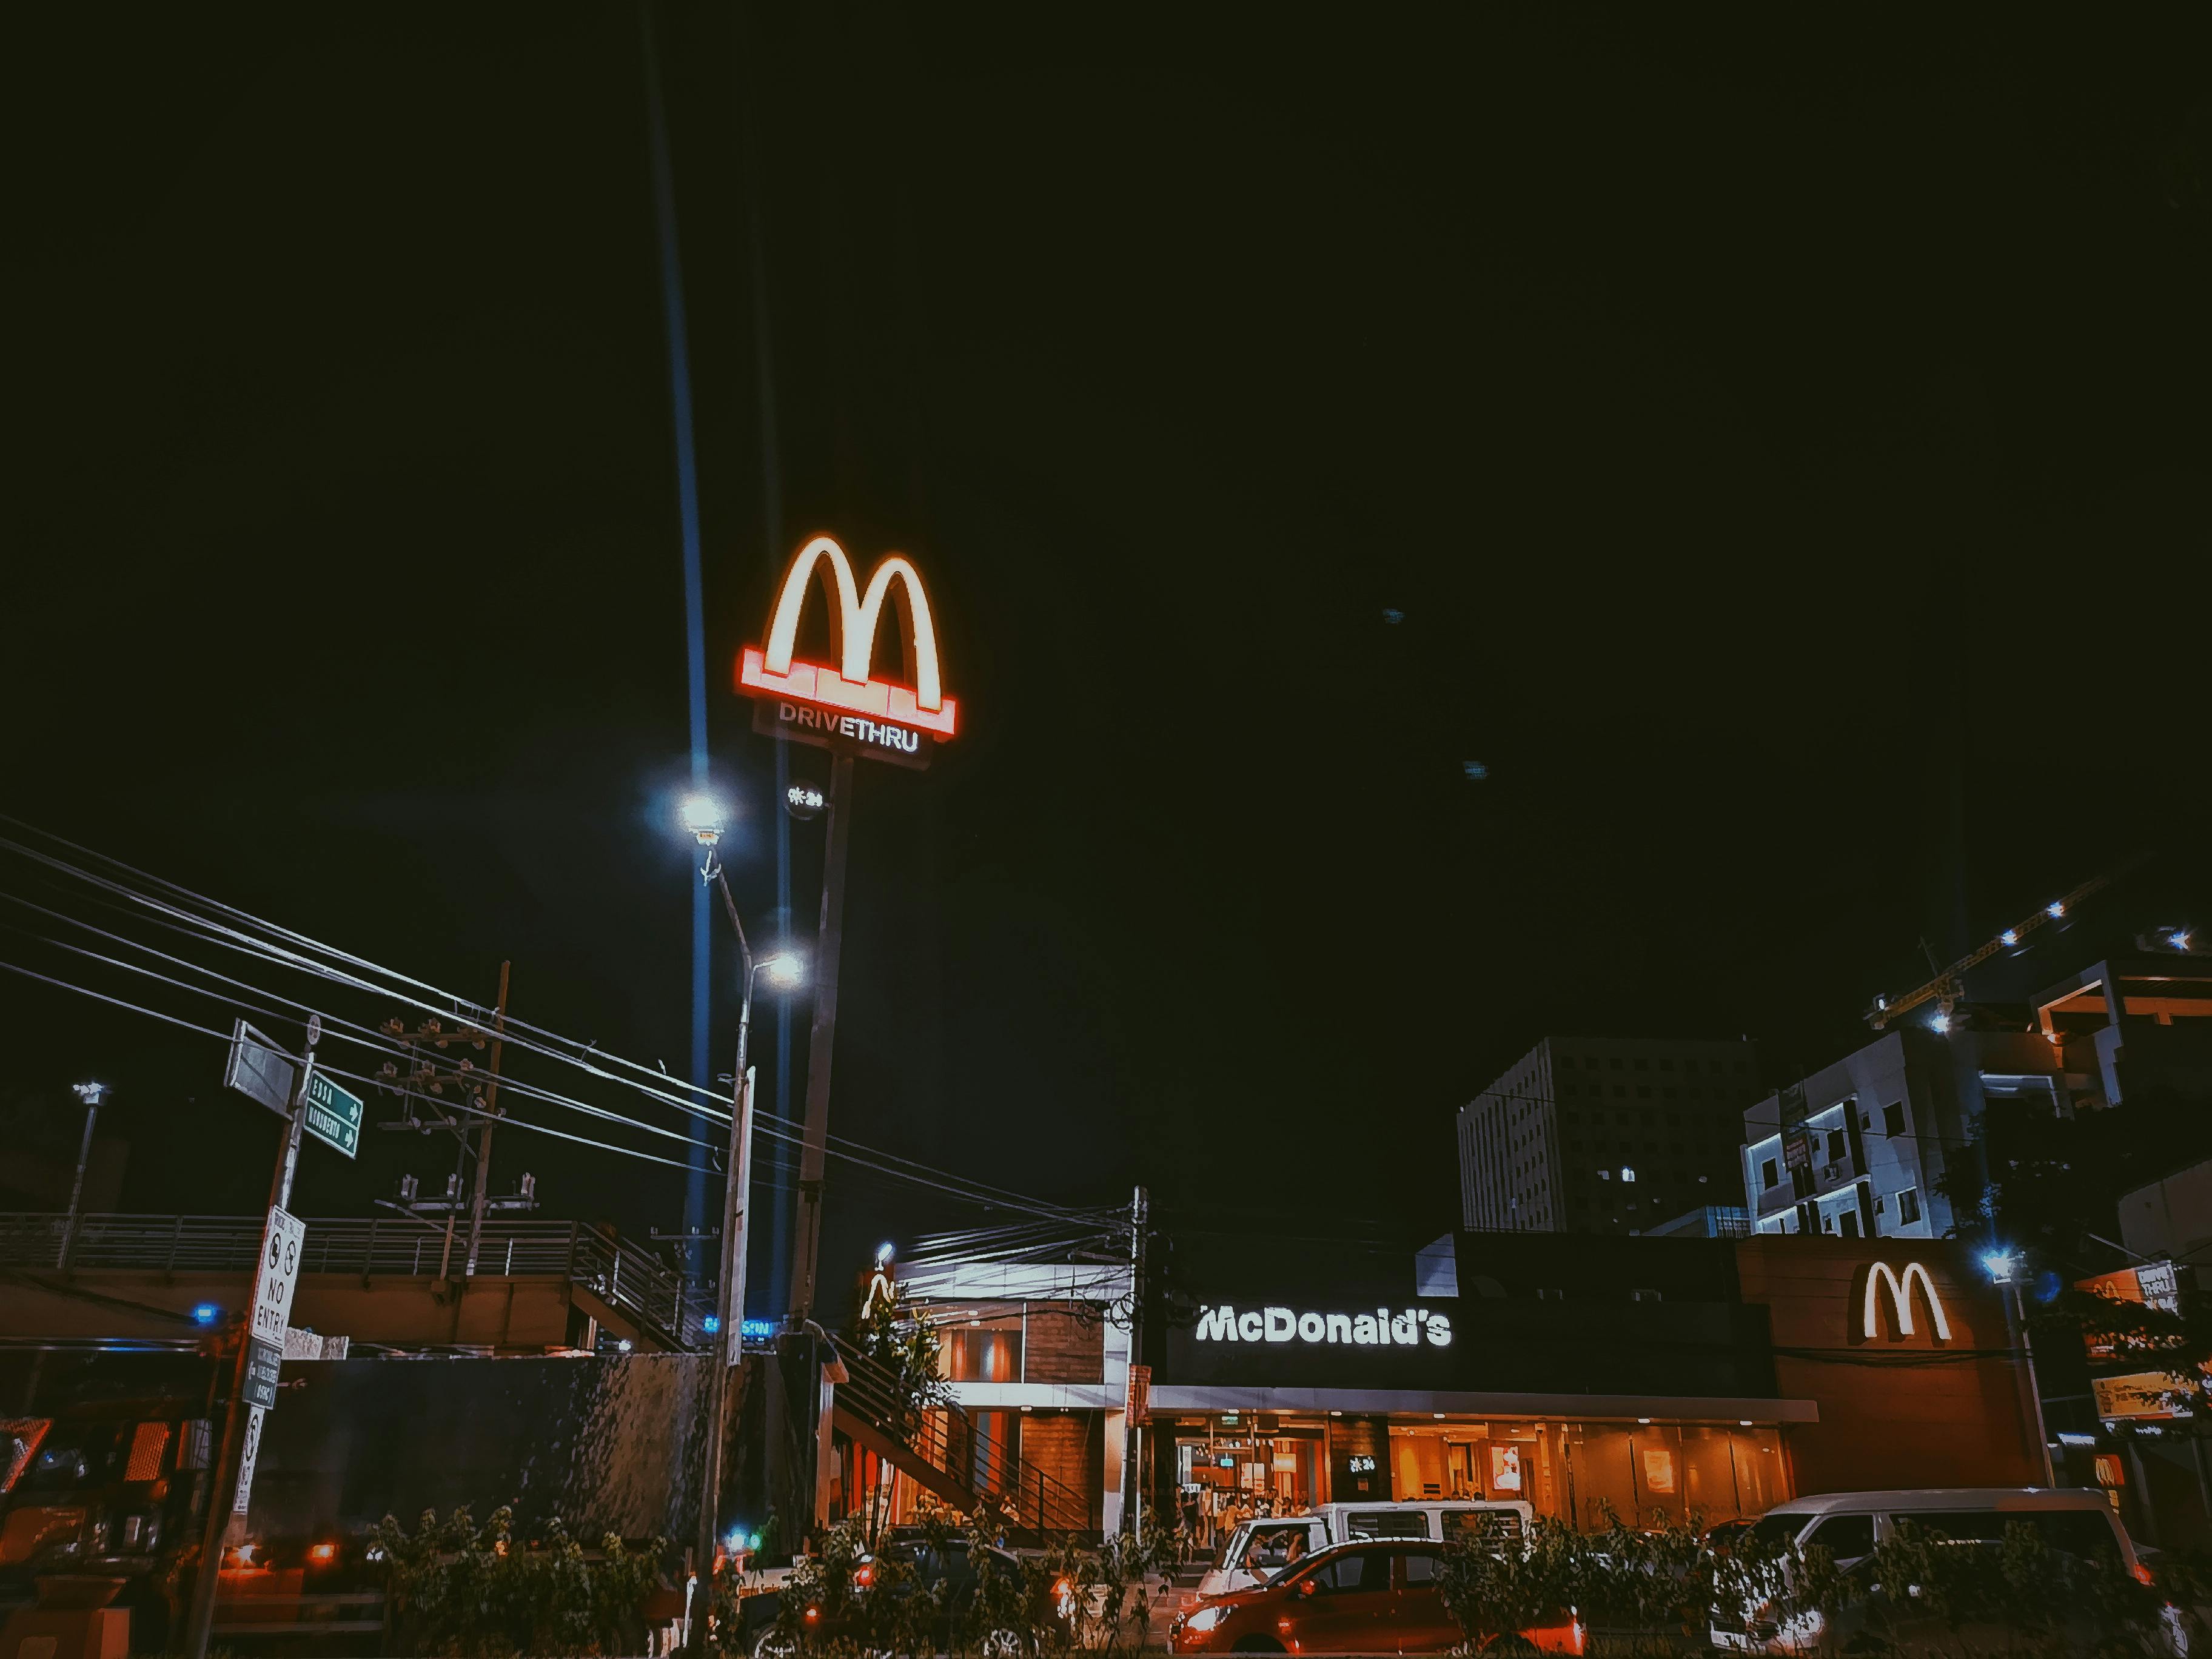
column 820, row 1041
column 490, row 1122
column 224, row 1469
column 1139, row 1217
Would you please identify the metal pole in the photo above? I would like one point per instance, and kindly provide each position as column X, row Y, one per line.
column 729, row 1293
column 90, row 1093
column 1139, row 1211
column 491, row 1122
column 820, row 1041
column 2024, row 1351
column 224, row 1469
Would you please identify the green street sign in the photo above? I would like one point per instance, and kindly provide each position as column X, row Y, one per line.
column 334, row 1116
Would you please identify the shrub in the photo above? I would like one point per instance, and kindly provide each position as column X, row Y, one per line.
column 466, row 1592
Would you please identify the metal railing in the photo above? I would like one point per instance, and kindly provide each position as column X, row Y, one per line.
column 620, row 1274
column 948, row 1438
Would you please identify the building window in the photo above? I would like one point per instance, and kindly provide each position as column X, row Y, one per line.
column 1908, row 1207
column 1893, row 1118
column 988, row 1352
column 1644, row 1295
column 1837, row 1141
column 1768, row 1175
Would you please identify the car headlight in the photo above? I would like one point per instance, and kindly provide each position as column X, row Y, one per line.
column 1204, row 1618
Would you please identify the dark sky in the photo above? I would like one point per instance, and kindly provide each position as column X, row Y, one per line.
column 1784, row 434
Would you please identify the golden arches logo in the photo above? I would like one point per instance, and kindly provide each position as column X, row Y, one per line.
column 1881, row 1274
column 855, row 618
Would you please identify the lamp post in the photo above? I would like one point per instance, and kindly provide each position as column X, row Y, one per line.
column 2006, row 1269
column 705, row 820
column 91, row 1094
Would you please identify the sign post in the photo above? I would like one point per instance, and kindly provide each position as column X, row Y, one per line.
column 253, row 1069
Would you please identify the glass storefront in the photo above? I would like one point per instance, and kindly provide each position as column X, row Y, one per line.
column 1642, row 1472
column 1253, row 1463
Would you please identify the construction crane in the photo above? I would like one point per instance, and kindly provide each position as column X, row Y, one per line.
column 1945, row 991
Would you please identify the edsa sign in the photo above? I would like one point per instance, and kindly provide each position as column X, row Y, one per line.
column 1282, row 1326
column 845, row 705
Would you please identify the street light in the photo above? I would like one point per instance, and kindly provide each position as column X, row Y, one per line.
column 2007, row 1270
column 705, row 819
column 91, row 1094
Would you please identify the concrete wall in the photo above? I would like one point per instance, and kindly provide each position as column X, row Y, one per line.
column 529, row 1314
column 2171, row 1216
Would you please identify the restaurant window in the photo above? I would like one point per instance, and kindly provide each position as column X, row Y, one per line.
column 985, row 1350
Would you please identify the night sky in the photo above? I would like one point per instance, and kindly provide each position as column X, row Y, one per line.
column 1775, row 445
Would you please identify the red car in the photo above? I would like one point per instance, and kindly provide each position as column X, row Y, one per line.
column 1379, row 1597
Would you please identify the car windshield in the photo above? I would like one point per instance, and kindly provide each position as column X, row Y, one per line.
column 1774, row 1531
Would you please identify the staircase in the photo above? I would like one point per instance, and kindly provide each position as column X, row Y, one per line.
column 942, row 1449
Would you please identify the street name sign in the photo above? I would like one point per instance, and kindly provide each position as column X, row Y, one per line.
column 259, row 1070
column 334, row 1115
column 278, row 1277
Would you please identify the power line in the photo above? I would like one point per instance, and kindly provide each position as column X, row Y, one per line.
column 983, row 1193
column 563, row 1050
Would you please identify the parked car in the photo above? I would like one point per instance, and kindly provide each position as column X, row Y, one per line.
column 1257, row 1550
column 945, row 1572
column 2074, row 1522
column 1380, row 1597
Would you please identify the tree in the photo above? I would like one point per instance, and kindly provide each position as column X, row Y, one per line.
column 906, row 1346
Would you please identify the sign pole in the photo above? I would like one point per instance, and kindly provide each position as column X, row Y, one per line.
column 821, row 1039
column 223, row 1471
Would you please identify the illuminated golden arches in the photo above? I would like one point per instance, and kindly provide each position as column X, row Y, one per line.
column 853, row 618
column 1900, row 1297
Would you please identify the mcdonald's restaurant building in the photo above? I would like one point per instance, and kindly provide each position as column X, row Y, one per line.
column 1678, row 1377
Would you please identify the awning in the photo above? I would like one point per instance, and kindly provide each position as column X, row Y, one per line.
column 1171, row 1397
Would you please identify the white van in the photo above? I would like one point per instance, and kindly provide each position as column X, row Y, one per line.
column 2075, row 1521
column 1259, row 1549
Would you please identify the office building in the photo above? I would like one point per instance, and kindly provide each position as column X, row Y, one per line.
column 1605, row 1135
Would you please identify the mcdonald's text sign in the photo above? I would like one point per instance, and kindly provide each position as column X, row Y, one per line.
column 846, row 703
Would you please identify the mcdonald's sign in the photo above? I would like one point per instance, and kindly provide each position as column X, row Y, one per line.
column 847, row 704
column 1880, row 1277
